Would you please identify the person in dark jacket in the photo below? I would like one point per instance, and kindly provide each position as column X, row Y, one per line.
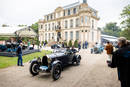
column 121, row 61
column 19, row 54
column 79, row 46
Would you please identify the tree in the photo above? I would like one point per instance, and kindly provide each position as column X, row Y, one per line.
column 5, row 25
column 35, row 27
column 112, row 29
column 4, row 38
column 70, row 43
column 65, row 43
column 125, row 15
column 22, row 25
column 126, row 33
column 46, row 42
column 76, row 43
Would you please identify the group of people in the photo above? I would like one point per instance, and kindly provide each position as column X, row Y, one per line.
column 84, row 45
column 120, row 59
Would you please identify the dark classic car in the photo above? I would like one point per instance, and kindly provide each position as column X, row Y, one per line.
column 55, row 62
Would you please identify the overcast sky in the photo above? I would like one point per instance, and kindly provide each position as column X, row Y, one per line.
column 30, row 11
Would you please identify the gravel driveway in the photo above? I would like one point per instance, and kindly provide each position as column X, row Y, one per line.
column 92, row 72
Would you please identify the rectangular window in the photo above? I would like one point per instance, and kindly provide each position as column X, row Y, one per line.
column 71, row 23
column 92, row 36
column 66, row 35
column 49, row 27
column 41, row 26
column 52, row 35
column 71, row 35
column 46, row 36
column 77, row 35
column 86, row 19
column 49, row 36
column 46, row 27
column 82, row 20
column 77, row 22
column 66, row 24
column 92, row 24
column 53, row 26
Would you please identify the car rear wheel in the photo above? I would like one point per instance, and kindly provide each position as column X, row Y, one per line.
column 34, row 68
column 56, row 71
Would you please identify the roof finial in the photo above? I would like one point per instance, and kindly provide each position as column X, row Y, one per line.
column 84, row 1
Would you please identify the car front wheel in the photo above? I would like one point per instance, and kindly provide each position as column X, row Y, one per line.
column 56, row 71
column 34, row 68
column 78, row 60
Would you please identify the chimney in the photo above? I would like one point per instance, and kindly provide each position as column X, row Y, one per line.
column 85, row 1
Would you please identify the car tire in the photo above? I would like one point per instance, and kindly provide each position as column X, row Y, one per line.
column 34, row 68
column 56, row 71
column 78, row 60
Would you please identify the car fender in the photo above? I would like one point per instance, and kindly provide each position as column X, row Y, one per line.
column 34, row 60
column 57, row 61
column 78, row 56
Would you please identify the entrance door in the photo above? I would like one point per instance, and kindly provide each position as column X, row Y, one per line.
column 58, row 36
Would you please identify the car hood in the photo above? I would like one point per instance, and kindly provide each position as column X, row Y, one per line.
column 54, row 55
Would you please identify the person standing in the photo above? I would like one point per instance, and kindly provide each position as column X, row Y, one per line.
column 19, row 54
column 83, row 45
column 86, row 44
column 109, row 49
column 79, row 46
column 121, row 61
column 29, row 43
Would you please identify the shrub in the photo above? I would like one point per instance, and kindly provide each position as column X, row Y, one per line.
column 76, row 43
column 70, row 43
column 46, row 42
column 65, row 43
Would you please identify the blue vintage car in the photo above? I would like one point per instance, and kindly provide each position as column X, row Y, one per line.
column 97, row 49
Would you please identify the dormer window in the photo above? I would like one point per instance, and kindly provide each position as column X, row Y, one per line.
column 64, row 12
column 68, row 11
column 74, row 11
column 51, row 16
column 47, row 18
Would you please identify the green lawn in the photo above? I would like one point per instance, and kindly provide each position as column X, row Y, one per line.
column 10, row 61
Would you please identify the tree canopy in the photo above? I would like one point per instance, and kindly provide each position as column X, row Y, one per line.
column 35, row 27
column 125, row 15
column 112, row 29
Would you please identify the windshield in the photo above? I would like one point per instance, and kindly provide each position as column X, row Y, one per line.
column 59, row 50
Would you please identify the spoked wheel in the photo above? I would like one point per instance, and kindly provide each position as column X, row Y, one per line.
column 34, row 67
column 56, row 71
column 78, row 60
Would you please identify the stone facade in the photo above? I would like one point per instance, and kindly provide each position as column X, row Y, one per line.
column 77, row 21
